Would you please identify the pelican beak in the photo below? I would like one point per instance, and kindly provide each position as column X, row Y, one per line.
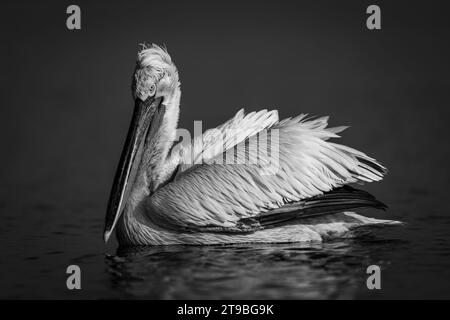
column 129, row 161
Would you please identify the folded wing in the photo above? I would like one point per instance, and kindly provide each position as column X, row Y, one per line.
column 301, row 164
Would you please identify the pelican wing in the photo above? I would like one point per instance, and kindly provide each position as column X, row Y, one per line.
column 302, row 164
column 214, row 142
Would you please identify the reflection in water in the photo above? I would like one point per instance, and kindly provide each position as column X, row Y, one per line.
column 331, row 270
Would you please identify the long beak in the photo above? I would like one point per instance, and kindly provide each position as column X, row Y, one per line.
column 129, row 161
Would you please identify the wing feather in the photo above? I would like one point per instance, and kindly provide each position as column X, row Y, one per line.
column 215, row 141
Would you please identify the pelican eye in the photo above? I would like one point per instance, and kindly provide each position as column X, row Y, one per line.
column 152, row 89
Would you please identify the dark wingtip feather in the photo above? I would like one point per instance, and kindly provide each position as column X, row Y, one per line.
column 379, row 168
column 335, row 201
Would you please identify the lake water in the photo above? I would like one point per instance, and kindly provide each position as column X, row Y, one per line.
column 414, row 261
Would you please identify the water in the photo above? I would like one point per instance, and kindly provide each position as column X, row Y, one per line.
column 414, row 259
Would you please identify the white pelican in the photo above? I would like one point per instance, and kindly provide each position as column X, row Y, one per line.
column 159, row 197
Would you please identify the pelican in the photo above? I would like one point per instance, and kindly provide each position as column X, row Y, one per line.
column 163, row 195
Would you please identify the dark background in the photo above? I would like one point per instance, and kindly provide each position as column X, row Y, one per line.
column 66, row 104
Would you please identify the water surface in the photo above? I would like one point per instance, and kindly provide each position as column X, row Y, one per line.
column 414, row 259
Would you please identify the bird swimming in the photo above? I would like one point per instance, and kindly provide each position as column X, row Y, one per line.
column 169, row 192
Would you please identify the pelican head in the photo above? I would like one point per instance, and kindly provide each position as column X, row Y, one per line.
column 155, row 80
column 155, row 74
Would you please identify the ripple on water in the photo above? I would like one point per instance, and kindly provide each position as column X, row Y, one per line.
column 259, row 271
column 334, row 269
